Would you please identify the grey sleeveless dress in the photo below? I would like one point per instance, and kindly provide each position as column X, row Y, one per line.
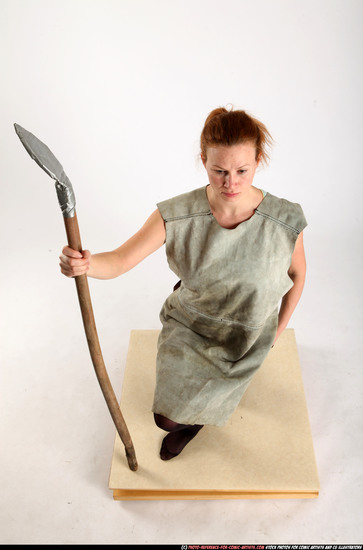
column 219, row 325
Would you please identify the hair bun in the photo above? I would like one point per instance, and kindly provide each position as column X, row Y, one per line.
column 216, row 112
column 231, row 127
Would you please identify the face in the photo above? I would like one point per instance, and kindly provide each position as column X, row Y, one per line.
column 231, row 170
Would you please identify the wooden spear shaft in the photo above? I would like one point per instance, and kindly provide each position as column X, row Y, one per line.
column 44, row 157
column 74, row 241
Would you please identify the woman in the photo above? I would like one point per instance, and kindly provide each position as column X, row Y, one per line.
column 237, row 251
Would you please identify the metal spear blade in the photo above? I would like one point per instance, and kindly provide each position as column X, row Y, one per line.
column 44, row 157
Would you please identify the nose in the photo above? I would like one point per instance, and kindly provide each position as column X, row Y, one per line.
column 229, row 181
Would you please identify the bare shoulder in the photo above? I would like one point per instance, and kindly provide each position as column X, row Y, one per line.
column 156, row 225
column 299, row 245
column 156, row 218
column 298, row 261
column 152, row 234
column 147, row 240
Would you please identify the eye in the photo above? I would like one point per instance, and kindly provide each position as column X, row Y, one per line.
column 242, row 171
column 219, row 172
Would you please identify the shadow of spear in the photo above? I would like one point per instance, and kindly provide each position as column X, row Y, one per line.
column 48, row 162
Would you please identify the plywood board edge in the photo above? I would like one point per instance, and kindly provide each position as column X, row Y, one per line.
column 121, row 494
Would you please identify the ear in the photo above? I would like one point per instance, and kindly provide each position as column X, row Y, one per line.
column 204, row 160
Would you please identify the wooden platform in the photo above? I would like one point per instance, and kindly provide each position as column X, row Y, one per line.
column 265, row 451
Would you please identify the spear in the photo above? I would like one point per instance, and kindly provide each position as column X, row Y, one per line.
column 67, row 202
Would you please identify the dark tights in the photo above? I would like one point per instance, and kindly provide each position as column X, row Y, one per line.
column 178, row 437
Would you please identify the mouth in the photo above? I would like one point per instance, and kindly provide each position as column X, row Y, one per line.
column 230, row 195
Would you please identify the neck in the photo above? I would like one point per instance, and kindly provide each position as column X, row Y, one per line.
column 248, row 200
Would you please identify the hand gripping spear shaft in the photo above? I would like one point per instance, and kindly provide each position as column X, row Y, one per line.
column 48, row 162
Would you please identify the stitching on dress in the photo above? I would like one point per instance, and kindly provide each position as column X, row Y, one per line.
column 218, row 319
column 188, row 216
column 277, row 221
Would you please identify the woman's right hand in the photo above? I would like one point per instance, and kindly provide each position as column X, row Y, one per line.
column 73, row 263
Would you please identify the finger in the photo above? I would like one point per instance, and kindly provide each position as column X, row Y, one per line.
column 72, row 267
column 73, row 271
column 71, row 253
column 73, row 262
column 66, row 271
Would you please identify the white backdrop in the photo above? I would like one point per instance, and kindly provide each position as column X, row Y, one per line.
column 119, row 90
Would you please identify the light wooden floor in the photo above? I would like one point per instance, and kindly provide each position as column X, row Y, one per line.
column 265, row 450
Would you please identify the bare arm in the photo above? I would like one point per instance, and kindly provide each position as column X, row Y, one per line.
column 108, row 265
column 297, row 272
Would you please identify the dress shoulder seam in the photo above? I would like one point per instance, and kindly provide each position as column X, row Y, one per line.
column 276, row 220
column 184, row 216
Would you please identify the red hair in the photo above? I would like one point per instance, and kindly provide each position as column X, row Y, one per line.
column 224, row 127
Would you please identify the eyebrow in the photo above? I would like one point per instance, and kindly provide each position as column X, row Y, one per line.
column 217, row 166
